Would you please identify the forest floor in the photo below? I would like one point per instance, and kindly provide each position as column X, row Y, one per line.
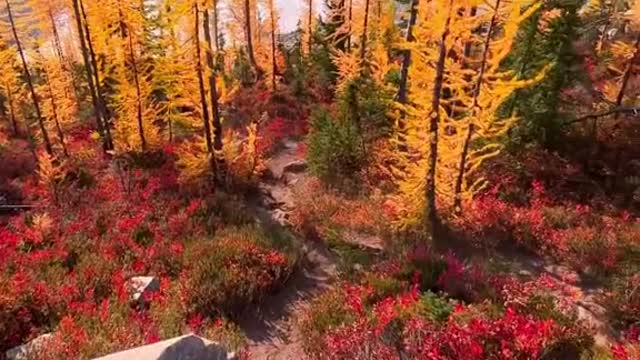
column 583, row 294
column 271, row 327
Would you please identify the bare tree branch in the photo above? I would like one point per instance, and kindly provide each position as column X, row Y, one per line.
column 635, row 111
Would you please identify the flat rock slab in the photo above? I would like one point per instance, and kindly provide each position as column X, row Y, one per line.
column 188, row 347
column 363, row 240
column 277, row 164
column 30, row 349
column 140, row 286
column 297, row 166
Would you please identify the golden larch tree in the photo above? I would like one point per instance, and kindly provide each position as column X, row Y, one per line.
column 452, row 101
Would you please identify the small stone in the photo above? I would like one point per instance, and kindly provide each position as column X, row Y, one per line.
column 28, row 350
column 141, row 286
column 290, row 144
column 297, row 166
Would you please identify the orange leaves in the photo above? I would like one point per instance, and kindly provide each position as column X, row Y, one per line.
column 634, row 15
column 547, row 18
column 380, row 63
column 349, row 65
column 623, row 50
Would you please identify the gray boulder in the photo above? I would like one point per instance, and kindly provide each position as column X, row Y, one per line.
column 188, row 347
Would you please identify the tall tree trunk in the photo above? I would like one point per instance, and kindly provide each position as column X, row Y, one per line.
column 249, row 38
column 64, row 63
column 363, row 41
column 34, row 96
column 54, row 111
column 627, row 75
column 121, row 24
column 203, row 96
column 474, row 107
column 218, row 161
column 350, row 25
column 12, row 111
column 169, row 122
column 89, row 74
column 216, row 36
column 136, row 79
column 310, row 26
column 56, row 37
column 274, row 66
column 96, row 71
column 31, row 143
column 101, row 107
column 402, row 96
column 434, row 122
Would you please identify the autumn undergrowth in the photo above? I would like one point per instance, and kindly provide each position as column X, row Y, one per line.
column 65, row 264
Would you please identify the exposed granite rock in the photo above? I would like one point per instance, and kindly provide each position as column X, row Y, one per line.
column 141, row 286
column 188, row 347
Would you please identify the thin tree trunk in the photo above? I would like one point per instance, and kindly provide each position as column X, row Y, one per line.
column 363, row 41
column 218, row 161
column 54, row 111
column 34, row 96
column 310, row 26
column 434, row 120
column 100, row 102
column 402, row 96
column 134, row 65
column 249, row 38
column 474, row 108
column 121, row 24
column 627, row 75
column 12, row 113
column 64, row 63
column 56, row 37
column 274, row 66
column 203, row 96
column 216, row 36
column 350, row 26
column 31, row 143
column 89, row 74
column 170, row 123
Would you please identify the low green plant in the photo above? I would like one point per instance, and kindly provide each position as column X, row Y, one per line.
column 383, row 287
column 435, row 307
column 335, row 148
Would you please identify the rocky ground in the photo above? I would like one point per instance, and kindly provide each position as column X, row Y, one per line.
column 271, row 327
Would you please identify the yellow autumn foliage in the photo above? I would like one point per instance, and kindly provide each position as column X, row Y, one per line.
column 476, row 87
